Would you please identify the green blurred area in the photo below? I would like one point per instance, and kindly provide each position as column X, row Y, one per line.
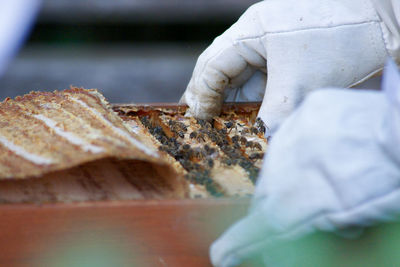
column 113, row 246
column 376, row 246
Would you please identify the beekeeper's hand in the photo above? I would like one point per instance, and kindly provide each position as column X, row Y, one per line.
column 333, row 165
column 301, row 45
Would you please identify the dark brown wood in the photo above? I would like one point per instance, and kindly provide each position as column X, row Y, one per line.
column 142, row 10
column 245, row 107
column 133, row 233
column 172, row 105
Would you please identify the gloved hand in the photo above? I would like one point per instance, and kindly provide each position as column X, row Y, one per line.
column 337, row 169
column 301, row 45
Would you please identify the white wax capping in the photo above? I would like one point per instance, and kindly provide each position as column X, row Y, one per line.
column 70, row 137
column 253, row 139
column 134, row 127
column 46, row 105
column 117, row 130
column 20, row 151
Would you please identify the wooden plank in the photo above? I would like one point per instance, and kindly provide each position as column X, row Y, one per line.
column 227, row 107
column 133, row 233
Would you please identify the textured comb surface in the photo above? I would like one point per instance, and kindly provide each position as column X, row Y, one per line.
column 44, row 135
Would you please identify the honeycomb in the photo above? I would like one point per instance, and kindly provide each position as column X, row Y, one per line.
column 220, row 158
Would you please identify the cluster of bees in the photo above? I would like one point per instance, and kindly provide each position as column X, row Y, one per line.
column 198, row 158
column 178, row 128
column 187, row 156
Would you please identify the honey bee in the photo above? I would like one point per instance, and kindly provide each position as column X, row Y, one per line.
column 189, row 154
column 163, row 148
column 183, row 127
column 186, row 147
column 249, row 144
column 210, row 163
column 223, row 131
column 178, row 128
column 243, row 140
column 253, row 156
column 254, row 130
column 245, row 131
column 231, row 125
column 215, row 138
column 197, row 154
column 164, row 140
column 228, row 162
column 159, row 137
column 197, row 167
column 203, row 123
column 186, row 164
column 235, row 138
column 257, row 146
column 212, row 151
column 256, row 156
column 260, row 125
column 236, row 145
column 158, row 130
column 193, row 135
column 201, row 137
column 254, row 145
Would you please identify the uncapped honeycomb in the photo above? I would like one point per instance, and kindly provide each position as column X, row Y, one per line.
column 221, row 157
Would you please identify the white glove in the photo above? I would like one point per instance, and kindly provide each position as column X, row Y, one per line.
column 302, row 45
column 16, row 16
column 331, row 170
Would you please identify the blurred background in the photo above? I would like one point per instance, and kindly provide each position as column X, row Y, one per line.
column 131, row 50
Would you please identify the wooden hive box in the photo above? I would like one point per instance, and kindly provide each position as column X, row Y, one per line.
column 88, row 222
column 93, row 223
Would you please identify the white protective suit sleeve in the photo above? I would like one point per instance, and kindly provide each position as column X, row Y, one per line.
column 389, row 12
column 293, row 47
column 333, row 165
column 16, row 18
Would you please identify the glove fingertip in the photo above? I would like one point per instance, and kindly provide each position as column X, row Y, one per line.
column 182, row 100
column 218, row 259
